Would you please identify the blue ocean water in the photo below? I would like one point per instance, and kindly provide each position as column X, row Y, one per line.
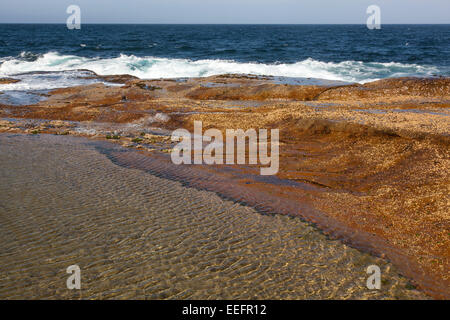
column 351, row 53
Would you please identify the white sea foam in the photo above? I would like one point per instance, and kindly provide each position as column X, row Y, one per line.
column 46, row 81
column 153, row 68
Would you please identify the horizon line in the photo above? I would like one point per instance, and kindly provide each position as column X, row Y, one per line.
column 249, row 24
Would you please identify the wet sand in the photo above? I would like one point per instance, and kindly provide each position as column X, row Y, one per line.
column 63, row 201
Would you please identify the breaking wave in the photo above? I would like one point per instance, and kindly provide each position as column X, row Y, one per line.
column 154, row 67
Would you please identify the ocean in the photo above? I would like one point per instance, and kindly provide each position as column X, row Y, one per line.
column 46, row 56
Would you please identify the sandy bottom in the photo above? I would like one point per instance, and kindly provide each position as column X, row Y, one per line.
column 135, row 235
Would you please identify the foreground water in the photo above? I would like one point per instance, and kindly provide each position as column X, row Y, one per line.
column 134, row 235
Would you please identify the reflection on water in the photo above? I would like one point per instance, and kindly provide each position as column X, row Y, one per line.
column 134, row 235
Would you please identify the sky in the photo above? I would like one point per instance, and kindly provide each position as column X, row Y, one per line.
column 226, row 11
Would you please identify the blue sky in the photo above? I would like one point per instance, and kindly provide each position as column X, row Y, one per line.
column 225, row 11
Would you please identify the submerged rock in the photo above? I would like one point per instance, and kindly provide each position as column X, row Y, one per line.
column 8, row 80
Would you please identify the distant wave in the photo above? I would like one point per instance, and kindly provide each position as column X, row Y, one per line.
column 154, row 67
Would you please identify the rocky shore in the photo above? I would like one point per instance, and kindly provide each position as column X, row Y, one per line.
column 376, row 155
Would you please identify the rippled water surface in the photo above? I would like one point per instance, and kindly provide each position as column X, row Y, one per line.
column 134, row 235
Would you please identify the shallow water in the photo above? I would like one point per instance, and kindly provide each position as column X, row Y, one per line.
column 135, row 235
column 380, row 111
column 18, row 98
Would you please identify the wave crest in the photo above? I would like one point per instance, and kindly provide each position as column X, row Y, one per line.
column 154, row 67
